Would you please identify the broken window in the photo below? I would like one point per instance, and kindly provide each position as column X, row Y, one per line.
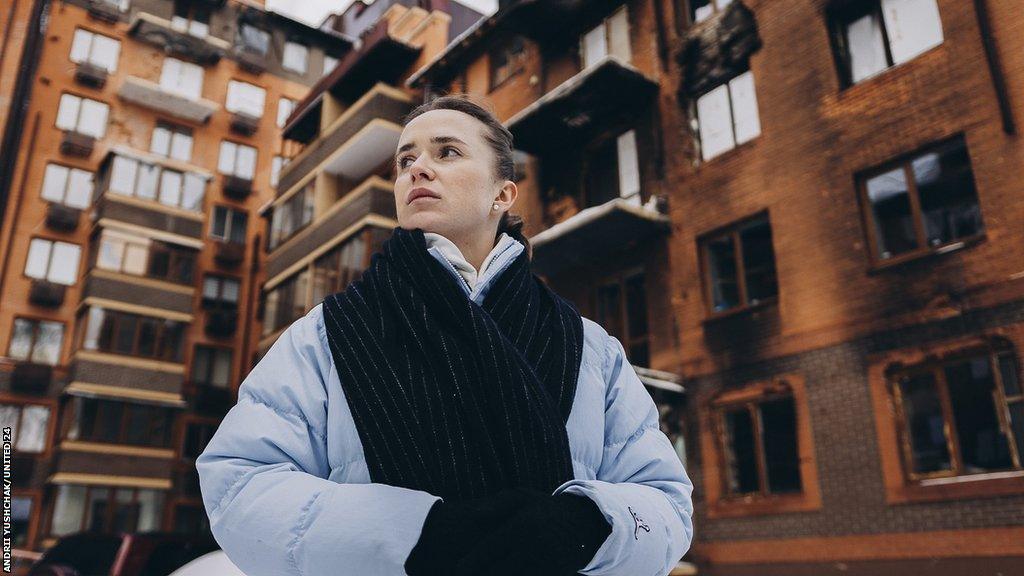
column 622, row 311
column 962, row 415
column 613, row 171
column 727, row 116
column 873, row 36
column 760, row 447
column 739, row 265
column 921, row 204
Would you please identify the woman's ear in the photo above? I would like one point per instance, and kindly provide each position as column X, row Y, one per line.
column 507, row 195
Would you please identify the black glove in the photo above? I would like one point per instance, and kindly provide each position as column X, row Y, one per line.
column 556, row 537
column 451, row 529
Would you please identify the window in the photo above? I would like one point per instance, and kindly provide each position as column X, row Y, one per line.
column 330, row 63
column 211, row 366
column 36, row 341
column 96, row 49
column 276, row 165
column 871, row 36
column 82, row 115
column 228, row 224
column 21, row 518
column 285, row 107
column 253, row 40
column 342, row 265
column 961, row 415
column 285, row 303
column 701, row 10
column 117, row 422
column 609, row 38
column 621, row 305
column 197, row 436
column 29, row 424
column 220, row 292
column 182, row 78
column 106, row 510
column 760, row 446
column 53, row 261
column 237, row 160
column 292, row 215
column 727, row 116
column 119, row 332
column 925, row 203
column 507, row 61
column 295, row 57
column 191, row 17
column 131, row 177
column 172, row 141
column 245, row 98
column 613, row 171
column 69, row 186
column 140, row 256
column 739, row 266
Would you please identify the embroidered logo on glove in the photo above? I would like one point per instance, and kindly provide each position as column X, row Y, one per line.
column 639, row 524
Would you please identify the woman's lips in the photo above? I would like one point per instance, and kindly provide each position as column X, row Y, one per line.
column 419, row 198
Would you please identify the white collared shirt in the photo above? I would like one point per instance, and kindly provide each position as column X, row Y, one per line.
column 452, row 253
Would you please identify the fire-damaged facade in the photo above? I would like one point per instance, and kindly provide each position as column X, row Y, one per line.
column 802, row 221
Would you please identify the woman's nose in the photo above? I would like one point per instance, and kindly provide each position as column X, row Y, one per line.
column 419, row 168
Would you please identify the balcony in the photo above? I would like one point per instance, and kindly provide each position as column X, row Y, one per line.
column 365, row 135
column 236, row 188
column 62, row 218
column 159, row 32
column 609, row 95
column 186, row 228
column 593, row 235
column 138, row 291
column 244, row 124
column 229, row 254
column 104, row 11
column 373, row 201
column 251, row 63
column 717, row 49
column 150, row 95
column 126, row 378
column 77, row 144
column 31, row 378
column 221, row 323
column 91, row 75
column 46, row 293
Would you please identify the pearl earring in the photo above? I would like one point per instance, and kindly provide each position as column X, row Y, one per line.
column 494, row 206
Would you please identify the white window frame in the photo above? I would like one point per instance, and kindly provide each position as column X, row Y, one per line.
column 908, row 27
column 295, row 57
column 628, row 167
column 743, row 121
column 172, row 141
column 123, row 252
column 61, row 185
column 610, row 38
column 276, row 166
column 237, row 160
column 82, row 115
column 182, row 78
column 285, row 107
column 87, row 46
column 228, row 212
column 38, row 446
column 53, row 261
column 330, row 63
column 245, row 98
column 189, row 195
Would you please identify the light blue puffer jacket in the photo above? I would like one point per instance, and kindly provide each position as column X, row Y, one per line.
column 287, row 489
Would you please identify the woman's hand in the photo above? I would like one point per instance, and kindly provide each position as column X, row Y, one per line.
column 555, row 536
column 451, row 530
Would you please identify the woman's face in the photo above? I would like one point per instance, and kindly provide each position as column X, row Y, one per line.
column 444, row 153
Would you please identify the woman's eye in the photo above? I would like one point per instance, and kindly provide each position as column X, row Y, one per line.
column 448, row 148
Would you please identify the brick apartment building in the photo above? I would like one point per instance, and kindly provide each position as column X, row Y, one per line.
column 809, row 211
column 141, row 138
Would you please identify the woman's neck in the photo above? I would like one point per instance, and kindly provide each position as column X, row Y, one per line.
column 474, row 250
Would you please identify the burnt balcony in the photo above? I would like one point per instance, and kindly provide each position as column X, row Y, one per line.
column 151, row 95
column 91, row 75
column 244, row 124
column 77, row 144
column 104, row 11
column 159, row 32
column 236, row 188
column 31, row 378
column 606, row 96
column 229, row 254
column 61, row 217
column 547, row 21
column 595, row 234
column 355, row 143
column 251, row 62
column 221, row 323
column 46, row 293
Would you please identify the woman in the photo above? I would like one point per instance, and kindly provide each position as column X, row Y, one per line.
column 447, row 413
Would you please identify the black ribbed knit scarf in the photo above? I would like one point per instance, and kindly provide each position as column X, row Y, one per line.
column 450, row 397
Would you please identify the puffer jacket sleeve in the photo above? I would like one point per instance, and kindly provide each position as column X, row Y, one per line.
column 264, row 475
column 641, row 485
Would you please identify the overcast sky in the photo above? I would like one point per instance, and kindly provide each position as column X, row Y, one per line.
column 313, row 11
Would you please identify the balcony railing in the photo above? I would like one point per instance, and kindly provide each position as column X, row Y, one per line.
column 77, row 144
column 46, row 293
column 244, row 124
column 31, row 378
column 104, row 11
column 152, row 96
column 91, row 75
column 61, row 217
column 236, row 188
column 160, row 32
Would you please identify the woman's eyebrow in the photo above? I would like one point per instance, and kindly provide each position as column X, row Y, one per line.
column 435, row 140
